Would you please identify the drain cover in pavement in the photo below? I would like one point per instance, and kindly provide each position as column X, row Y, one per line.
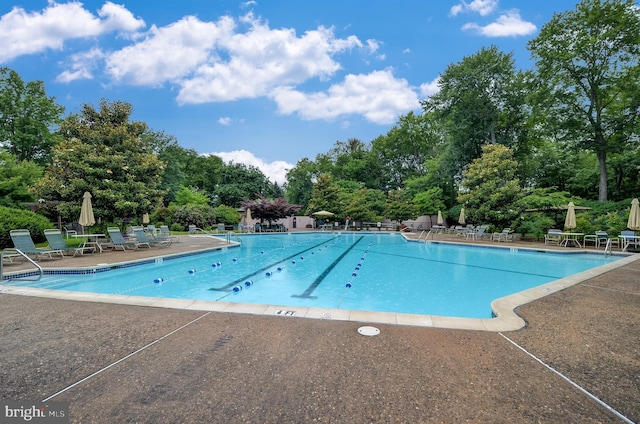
column 368, row 331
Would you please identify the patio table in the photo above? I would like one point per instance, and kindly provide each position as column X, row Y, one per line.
column 627, row 240
column 439, row 228
column 93, row 240
column 571, row 239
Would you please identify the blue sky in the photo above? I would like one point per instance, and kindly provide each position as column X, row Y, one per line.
column 265, row 83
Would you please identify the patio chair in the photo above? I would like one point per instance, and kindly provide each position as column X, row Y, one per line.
column 193, row 230
column 477, row 233
column 144, row 240
column 10, row 256
column 505, row 235
column 600, row 237
column 553, row 236
column 56, row 242
column 118, row 241
column 165, row 233
column 69, row 232
column 23, row 242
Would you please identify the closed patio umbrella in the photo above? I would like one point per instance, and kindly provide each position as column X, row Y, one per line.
column 634, row 216
column 86, row 212
column 461, row 218
column 247, row 219
column 145, row 218
column 440, row 220
column 570, row 220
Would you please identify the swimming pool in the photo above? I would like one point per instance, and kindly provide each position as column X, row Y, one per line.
column 351, row 271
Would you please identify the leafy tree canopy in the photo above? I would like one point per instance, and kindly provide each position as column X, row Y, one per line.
column 588, row 63
column 28, row 118
column 104, row 153
column 15, row 180
column 491, row 187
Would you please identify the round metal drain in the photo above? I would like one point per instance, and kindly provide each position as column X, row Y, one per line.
column 368, row 331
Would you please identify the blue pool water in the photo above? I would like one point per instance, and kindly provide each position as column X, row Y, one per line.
column 359, row 271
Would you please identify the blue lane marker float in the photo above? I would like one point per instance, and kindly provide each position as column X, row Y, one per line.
column 192, row 271
column 158, row 280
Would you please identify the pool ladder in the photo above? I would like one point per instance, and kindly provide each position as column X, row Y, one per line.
column 24, row 255
column 429, row 233
column 234, row 235
column 608, row 248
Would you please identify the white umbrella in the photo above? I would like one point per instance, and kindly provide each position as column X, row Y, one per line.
column 570, row 220
column 461, row 217
column 86, row 212
column 440, row 220
column 145, row 218
column 634, row 216
column 247, row 218
column 323, row 213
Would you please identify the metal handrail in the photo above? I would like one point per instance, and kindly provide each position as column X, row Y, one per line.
column 24, row 255
column 426, row 238
column 235, row 236
column 608, row 247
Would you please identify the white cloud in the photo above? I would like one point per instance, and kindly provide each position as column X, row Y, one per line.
column 82, row 66
column 224, row 120
column 378, row 96
column 482, row 7
column 24, row 33
column 276, row 171
column 118, row 18
column 168, row 53
column 430, row 88
column 226, row 60
column 262, row 59
column 507, row 25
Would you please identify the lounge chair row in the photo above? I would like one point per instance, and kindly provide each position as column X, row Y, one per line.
column 58, row 247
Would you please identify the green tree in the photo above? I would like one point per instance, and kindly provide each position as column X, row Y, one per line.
column 28, row 118
column 16, row 178
column 482, row 100
column 203, row 172
column 176, row 160
column 403, row 152
column 588, row 64
column 325, row 195
column 239, row 182
column 191, row 196
column 359, row 209
column 398, row 206
column 300, row 182
column 104, row 153
column 490, row 187
column 227, row 215
column 429, row 202
column 354, row 161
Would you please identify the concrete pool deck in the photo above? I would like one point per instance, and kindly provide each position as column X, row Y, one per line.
column 147, row 364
